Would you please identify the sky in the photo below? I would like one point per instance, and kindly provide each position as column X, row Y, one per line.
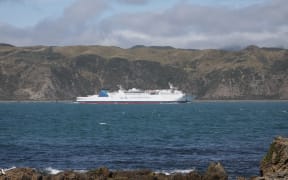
column 189, row 24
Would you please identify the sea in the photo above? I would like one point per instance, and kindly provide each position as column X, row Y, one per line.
column 164, row 138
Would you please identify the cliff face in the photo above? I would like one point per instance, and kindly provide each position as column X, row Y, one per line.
column 275, row 163
column 63, row 73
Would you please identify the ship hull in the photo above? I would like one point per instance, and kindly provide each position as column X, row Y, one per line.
column 136, row 96
column 132, row 102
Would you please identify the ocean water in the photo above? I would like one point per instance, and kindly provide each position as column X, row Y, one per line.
column 163, row 138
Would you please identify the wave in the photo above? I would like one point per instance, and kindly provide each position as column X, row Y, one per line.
column 8, row 169
column 174, row 171
column 3, row 171
column 52, row 171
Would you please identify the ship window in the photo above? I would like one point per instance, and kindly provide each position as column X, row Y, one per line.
column 103, row 93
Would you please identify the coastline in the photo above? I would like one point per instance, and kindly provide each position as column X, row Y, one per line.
column 193, row 101
column 215, row 170
column 244, row 100
column 37, row 101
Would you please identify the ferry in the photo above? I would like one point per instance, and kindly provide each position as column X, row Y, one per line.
column 137, row 96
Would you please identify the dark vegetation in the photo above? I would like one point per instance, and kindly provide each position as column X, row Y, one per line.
column 63, row 73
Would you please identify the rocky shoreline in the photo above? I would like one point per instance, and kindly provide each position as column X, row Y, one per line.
column 274, row 166
column 214, row 171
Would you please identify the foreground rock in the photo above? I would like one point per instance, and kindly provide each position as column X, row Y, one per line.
column 275, row 163
column 215, row 172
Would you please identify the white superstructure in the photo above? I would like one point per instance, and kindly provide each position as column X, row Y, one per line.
column 136, row 96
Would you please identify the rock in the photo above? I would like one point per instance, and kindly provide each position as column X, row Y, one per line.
column 257, row 178
column 215, row 171
column 102, row 172
column 68, row 175
column 240, row 178
column 21, row 173
column 275, row 164
column 137, row 174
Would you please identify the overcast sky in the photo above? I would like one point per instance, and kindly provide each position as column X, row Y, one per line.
column 192, row 24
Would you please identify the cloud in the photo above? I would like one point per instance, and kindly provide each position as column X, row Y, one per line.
column 1, row 1
column 84, row 10
column 193, row 26
column 71, row 25
column 184, row 25
column 136, row 2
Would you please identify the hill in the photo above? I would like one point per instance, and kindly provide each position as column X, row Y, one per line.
column 63, row 73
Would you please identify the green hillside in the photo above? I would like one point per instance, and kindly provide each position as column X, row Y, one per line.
column 63, row 73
